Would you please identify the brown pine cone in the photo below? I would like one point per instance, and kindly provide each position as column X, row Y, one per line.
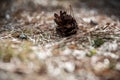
column 66, row 24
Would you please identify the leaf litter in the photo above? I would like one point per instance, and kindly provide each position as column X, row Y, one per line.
column 30, row 47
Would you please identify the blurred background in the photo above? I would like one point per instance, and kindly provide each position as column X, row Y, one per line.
column 109, row 7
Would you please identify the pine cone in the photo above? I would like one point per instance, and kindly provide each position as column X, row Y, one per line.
column 66, row 24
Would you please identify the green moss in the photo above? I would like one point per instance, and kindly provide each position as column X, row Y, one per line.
column 6, row 52
column 9, row 49
column 92, row 52
column 98, row 42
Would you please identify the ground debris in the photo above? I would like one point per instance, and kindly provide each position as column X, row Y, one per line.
column 32, row 49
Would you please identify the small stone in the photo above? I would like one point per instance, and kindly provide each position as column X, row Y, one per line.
column 23, row 36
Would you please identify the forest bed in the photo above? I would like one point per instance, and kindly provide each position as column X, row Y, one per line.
column 31, row 49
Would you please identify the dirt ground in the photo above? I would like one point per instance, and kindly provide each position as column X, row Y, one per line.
column 31, row 49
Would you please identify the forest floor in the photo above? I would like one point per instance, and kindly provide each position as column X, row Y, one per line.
column 30, row 48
